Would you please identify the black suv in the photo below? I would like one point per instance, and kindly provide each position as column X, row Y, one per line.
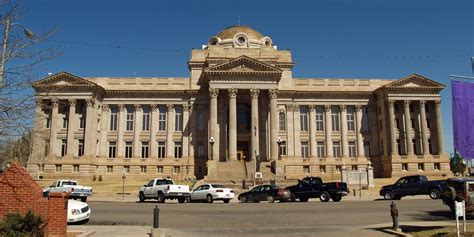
column 458, row 189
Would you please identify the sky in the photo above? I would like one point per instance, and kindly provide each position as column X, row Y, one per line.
column 374, row 39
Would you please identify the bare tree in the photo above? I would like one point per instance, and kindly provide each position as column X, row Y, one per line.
column 22, row 52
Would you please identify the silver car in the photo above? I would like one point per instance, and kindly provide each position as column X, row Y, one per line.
column 211, row 192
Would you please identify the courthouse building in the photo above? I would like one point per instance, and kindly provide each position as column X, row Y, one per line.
column 240, row 110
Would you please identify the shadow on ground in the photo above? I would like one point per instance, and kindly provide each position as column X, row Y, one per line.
column 407, row 229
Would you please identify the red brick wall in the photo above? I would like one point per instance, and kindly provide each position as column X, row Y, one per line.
column 18, row 191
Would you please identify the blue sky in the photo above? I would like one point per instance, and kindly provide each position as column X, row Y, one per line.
column 329, row 38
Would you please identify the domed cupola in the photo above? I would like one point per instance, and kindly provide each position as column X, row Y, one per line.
column 240, row 37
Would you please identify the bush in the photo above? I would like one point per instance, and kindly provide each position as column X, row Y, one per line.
column 100, row 178
column 16, row 225
column 93, row 179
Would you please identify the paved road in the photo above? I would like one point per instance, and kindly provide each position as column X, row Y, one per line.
column 242, row 218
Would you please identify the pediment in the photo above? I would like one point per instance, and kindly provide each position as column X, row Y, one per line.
column 243, row 65
column 415, row 81
column 63, row 79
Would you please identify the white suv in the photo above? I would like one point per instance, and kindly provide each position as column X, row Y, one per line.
column 211, row 192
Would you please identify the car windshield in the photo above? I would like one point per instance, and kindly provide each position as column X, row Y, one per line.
column 217, row 186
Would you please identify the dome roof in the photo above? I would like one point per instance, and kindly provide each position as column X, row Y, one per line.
column 230, row 32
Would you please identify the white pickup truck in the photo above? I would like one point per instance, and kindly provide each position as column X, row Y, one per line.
column 70, row 186
column 162, row 189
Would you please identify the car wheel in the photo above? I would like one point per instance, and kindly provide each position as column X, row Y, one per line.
column 226, row 200
column 292, row 197
column 324, row 197
column 336, row 198
column 270, row 199
column 141, row 197
column 83, row 199
column 434, row 194
column 388, row 195
column 209, row 198
column 244, row 199
column 181, row 199
column 303, row 199
column 188, row 199
column 161, row 197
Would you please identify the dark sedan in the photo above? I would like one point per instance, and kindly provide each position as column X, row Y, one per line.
column 268, row 193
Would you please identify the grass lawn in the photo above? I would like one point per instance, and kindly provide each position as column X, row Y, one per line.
column 437, row 231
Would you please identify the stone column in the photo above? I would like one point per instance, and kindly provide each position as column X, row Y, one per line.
column 345, row 146
column 122, row 113
column 153, row 129
column 360, row 138
column 391, row 122
column 137, row 128
column 233, row 124
column 185, row 145
column 424, row 128
column 274, row 124
column 254, row 124
column 214, row 155
column 89, row 139
column 439, row 128
column 328, row 130
column 71, row 127
column 312, row 130
column 53, row 138
column 104, row 129
column 297, row 129
column 169, row 131
column 408, row 127
column 193, row 125
column 290, row 142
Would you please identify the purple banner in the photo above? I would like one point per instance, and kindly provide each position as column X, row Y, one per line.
column 463, row 118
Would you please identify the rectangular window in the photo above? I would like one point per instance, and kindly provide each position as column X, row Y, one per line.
column 404, row 167
column 415, row 148
column 80, row 148
column 338, row 168
column 178, row 150
column 200, row 121
column 395, row 123
column 350, row 119
column 126, row 169
column 304, row 150
column 113, row 119
column 65, row 121
column 428, row 123
column 353, row 167
column 437, row 166
column 178, row 115
column 282, row 149
column 145, row 149
column 319, row 119
column 75, row 168
column 161, row 150
column 159, row 169
column 322, row 169
column 306, row 169
column 365, row 119
column 412, row 121
column 335, row 118
column 320, row 149
column 336, row 149
column 146, row 120
column 41, row 168
column 176, row 169
column 367, row 149
column 162, row 119
column 128, row 149
column 82, row 121
column 59, row 168
column 304, row 118
column 399, row 147
column 282, row 121
column 200, row 149
column 112, row 149
column 63, row 147
column 430, row 148
column 129, row 120
column 110, row 169
column 352, row 149
column 48, row 121
column 421, row 166
column 143, row 169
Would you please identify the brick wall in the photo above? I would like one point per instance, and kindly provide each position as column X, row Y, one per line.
column 18, row 191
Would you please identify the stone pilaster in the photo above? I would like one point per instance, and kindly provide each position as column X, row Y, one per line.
column 185, row 145
column 312, row 130
column 290, row 141
column 408, row 134
column 233, row 124
column 137, row 128
column 254, row 124
column 360, row 138
column 89, row 139
column 344, row 144
column 104, row 128
column 439, row 128
column 169, row 131
column 214, row 93
column 328, row 130
column 274, row 124
column 391, row 122
column 122, row 113
column 54, row 145
column 71, row 128
column 424, row 128
column 297, row 130
column 153, row 130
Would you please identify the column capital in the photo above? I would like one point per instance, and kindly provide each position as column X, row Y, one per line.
column 154, row 107
column 327, row 108
column 105, row 107
column 312, row 108
column 254, row 93
column 422, row 103
column 437, row 103
column 72, row 102
column 170, row 107
column 187, row 107
column 214, row 92
column 289, row 107
column 55, row 102
column 233, row 92
column 406, row 103
column 273, row 93
column 358, row 107
column 90, row 102
column 391, row 102
column 122, row 107
column 343, row 107
column 138, row 107
column 39, row 102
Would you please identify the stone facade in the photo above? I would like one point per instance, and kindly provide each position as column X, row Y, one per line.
column 240, row 105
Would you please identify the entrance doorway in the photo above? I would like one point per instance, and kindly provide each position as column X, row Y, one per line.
column 242, row 151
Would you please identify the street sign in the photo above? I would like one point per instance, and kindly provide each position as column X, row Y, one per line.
column 460, row 211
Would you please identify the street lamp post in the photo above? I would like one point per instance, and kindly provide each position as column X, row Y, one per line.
column 279, row 141
column 28, row 33
column 211, row 141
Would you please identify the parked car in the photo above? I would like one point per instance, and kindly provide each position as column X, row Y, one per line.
column 162, row 189
column 77, row 211
column 268, row 193
column 313, row 187
column 211, row 192
column 413, row 185
column 458, row 189
column 70, row 186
